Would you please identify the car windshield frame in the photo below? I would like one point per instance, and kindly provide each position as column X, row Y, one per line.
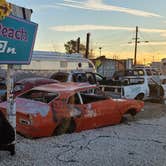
column 40, row 96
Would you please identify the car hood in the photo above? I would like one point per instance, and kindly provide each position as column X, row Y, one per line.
column 27, row 106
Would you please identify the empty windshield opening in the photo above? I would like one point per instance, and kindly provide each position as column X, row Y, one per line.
column 42, row 96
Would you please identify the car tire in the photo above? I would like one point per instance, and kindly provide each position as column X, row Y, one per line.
column 139, row 96
column 132, row 112
column 67, row 125
column 72, row 126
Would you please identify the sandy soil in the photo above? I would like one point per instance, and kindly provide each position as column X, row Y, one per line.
column 136, row 142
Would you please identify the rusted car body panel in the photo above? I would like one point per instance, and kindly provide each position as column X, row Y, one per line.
column 40, row 118
column 25, row 84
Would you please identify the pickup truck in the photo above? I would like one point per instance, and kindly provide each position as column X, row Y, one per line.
column 138, row 83
column 130, row 87
column 140, row 90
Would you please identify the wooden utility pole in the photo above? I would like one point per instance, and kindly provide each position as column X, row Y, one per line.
column 78, row 45
column 87, row 45
column 135, row 51
column 100, row 50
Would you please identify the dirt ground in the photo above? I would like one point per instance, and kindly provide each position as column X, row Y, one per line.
column 151, row 111
column 136, row 142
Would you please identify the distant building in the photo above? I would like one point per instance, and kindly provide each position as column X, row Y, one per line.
column 163, row 66
column 107, row 67
column 156, row 65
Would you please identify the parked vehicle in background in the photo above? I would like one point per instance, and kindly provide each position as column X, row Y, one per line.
column 149, row 88
column 161, row 91
column 80, row 76
column 28, row 83
column 73, row 76
column 129, row 88
column 23, row 85
column 137, row 71
column 163, row 66
column 59, row 108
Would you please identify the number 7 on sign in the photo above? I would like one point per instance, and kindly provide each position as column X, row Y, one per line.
column 4, row 48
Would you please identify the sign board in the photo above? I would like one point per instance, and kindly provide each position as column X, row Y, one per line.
column 21, row 12
column 17, row 37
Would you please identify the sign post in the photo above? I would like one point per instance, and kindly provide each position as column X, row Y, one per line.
column 17, row 37
column 11, row 105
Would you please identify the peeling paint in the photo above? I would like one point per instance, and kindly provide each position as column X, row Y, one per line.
column 90, row 111
column 32, row 107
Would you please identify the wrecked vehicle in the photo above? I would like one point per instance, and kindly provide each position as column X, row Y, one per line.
column 23, row 85
column 135, row 87
column 141, row 83
column 54, row 109
column 128, row 87
column 28, row 83
column 163, row 84
column 159, row 88
column 81, row 76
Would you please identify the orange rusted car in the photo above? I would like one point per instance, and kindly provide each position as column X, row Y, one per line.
column 54, row 109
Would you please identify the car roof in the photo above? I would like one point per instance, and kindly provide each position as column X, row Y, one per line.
column 69, row 72
column 34, row 79
column 65, row 87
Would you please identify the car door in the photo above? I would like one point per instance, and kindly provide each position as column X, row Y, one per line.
column 96, row 114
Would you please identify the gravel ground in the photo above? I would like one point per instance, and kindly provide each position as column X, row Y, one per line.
column 138, row 142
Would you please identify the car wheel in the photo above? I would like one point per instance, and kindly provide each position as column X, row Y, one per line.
column 67, row 125
column 139, row 96
column 132, row 112
column 124, row 120
column 72, row 126
column 162, row 100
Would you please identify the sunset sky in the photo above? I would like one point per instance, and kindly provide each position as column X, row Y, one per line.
column 111, row 24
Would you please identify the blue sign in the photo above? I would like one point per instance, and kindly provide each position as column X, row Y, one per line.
column 17, row 38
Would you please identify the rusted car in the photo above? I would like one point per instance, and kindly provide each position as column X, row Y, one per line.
column 28, row 83
column 23, row 85
column 55, row 109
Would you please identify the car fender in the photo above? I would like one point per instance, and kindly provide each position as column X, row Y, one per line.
column 133, row 91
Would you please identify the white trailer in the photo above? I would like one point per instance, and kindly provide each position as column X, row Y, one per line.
column 45, row 63
column 55, row 61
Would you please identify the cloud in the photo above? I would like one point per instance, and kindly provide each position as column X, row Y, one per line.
column 163, row 34
column 74, row 28
column 153, row 30
column 147, row 44
column 99, row 5
column 86, row 27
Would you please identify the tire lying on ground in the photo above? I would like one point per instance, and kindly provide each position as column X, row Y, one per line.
column 7, row 135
